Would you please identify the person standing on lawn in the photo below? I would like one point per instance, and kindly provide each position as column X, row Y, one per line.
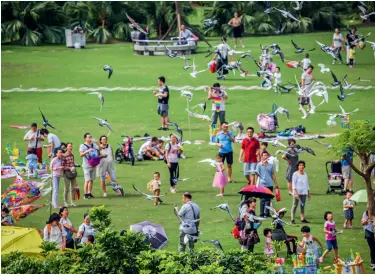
column 34, row 137
column 235, row 23
column 301, row 191
column 267, row 179
column 224, row 140
column 163, row 100
column 250, row 155
column 347, row 173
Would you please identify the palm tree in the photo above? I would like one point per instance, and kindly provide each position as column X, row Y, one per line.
column 32, row 22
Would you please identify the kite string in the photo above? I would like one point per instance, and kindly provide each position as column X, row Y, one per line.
column 188, row 107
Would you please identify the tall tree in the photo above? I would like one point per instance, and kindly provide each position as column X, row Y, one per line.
column 360, row 137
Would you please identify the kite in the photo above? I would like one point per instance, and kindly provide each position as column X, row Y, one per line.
column 23, row 211
column 20, row 194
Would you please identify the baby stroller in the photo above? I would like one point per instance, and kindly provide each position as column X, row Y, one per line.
column 125, row 152
column 268, row 122
column 335, row 178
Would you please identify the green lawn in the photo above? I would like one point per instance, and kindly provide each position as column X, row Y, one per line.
column 134, row 113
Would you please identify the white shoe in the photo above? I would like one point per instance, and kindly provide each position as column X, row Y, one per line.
column 333, row 63
column 219, row 195
column 73, row 205
column 105, row 195
column 173, row 190
column 66, row 204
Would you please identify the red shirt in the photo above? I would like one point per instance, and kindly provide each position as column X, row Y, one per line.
column 250, row 147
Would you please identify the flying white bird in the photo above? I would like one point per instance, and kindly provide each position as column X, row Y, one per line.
column 274, row 161
column 226, row 208
column 203, row 106
column 280, row 29
column 187, row 94
column 268, row 7
column 347, row 86
column 299, row 5
column 366, row 16
column 109, row 69
column 287, row 14
column 101, row 98
column 323, row 69
column 200, row 116
column 275, row 143
column 195, row 72
column 103, row 123
column 329, row 146
column 363, row 9
column 212, row 162
column 148, row 197
column 282, row 110
column 342, row 115
column 253, row 218
column 372, row 46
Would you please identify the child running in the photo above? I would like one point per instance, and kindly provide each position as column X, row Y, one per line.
column 154, row 185
column 348, row 210
column 331, row 241
column 220, row 179
column 310, row 243
column 268, row 250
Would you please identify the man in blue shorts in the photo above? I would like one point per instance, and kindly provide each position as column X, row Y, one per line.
column 224, row 140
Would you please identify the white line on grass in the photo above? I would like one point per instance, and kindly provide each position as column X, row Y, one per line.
column 149, row 88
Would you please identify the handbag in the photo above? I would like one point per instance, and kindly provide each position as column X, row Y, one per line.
column 71, row 174
column 278, row 235
column 303, row 100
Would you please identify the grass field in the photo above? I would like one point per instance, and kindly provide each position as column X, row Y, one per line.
column 134, row 112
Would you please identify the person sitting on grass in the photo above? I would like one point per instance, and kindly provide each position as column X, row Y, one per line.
column 289, row 238
column 146, row 152
column 159, row 147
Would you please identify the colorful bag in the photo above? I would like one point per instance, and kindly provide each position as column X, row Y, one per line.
column 236, row 232
column 266, row 122
column 278, row 195
column 93, row 160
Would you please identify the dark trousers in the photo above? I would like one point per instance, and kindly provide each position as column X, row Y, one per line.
column 371, row 245
column 291, row 240
column 174, row 173
column 263, row 203
column 220, row 63
column 250, row 248
column 351, row 62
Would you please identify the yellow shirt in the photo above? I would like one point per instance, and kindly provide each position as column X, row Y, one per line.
column 351, row 53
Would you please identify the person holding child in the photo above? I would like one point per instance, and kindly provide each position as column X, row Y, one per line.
column 348, row 210
column 220, row 179
column 331, row 241
column 154, row 185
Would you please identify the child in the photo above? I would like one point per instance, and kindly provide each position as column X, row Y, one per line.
column 220, row 179
column 330, row 231
column 32, row 163
column 351, row 56
column 268, row 250
column 267, row 77
column 306, row 62
column 277, row 76
column 263, row 147
column 310, row 243
column 5, row 218
column 154, row 185
column 348, row 210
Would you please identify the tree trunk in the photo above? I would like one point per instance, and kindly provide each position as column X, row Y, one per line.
column 370, row 199
column 170, row 29
column 178, row 16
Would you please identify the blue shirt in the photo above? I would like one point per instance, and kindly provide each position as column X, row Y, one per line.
column 265, row 174
column 350, row 156
column 224, row 139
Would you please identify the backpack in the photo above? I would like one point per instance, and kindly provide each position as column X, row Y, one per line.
column 92, row 160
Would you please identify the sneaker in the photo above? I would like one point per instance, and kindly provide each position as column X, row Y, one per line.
column 155, row 204
column 305, row 221
column 290, row 193
column 91, row 196
column 105, row 195
column 173, row 190
column 219, row 195
column 160, row 128
column 66, row 204
column 73, row 205
column 85, row 197
column 292, row 222
column 321, row 260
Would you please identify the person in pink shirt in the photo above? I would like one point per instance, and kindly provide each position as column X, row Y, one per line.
column 331, row 241
column 56, row 167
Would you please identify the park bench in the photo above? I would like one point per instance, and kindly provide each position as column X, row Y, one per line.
column 157, row 47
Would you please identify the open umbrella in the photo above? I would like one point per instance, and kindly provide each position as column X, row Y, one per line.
column 155, row 234
column 360, row 196
column 257, row 192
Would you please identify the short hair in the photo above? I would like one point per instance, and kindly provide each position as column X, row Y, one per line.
column 65, row 144
column 162, row 79
column 307, row 55
column 311, row 66
column 290, row 140
column 6, row 210
column 219, row 155
column 85, row 215
column 44, row 131
column 224, row 39
column 157, row 173
column 278, row 68
column 326, row 214
column 224, row 123
column 250, row 128
column 161, row 141
column 188, row 195
column 266, row 231
column 34, row 124
column 301, row 162
column 154, row 139
column 216, row 85
column 264, row 144
column 101, row 137
column 252, row 200
column 305, row 229
column 90, row 238
column 265, row 151
column 54, row 217
column 84, row 136
column 354, row 28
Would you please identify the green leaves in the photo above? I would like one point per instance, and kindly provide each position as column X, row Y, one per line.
column 99, row 217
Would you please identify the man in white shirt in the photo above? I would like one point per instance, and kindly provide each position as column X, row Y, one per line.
column 147, row 151
column 54, row 143
column 186, row 35
column 306, row 62
column 306, row 84
column 35, row 138
column 337, row 43
column 222, row 56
